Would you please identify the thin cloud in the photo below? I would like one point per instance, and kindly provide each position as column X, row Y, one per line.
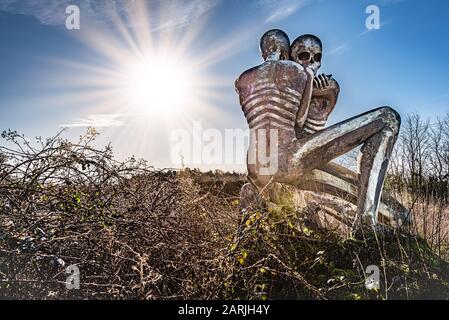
column 383, row 24
column 98, row 121
column 282, row 13
column 343, row 48
column 52, row 12
column 339, row 50
column 280, row 9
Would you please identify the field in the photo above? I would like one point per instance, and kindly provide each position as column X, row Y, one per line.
column 136, row 232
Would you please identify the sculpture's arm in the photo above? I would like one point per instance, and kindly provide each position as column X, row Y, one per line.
column 305, row 101
column 324, row 98
column 327, row 88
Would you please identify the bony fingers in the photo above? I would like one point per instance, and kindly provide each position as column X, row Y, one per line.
column 318, row 79
column 326, row 80
column 323, row 81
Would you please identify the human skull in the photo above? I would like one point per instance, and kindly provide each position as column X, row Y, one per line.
column 307, row 50
column 275, row 41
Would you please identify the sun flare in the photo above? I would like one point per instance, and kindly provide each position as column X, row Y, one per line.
column 148, row 79
column 158, row 85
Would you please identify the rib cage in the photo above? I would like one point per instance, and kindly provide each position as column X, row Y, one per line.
column 270, row 104
column 312, row 126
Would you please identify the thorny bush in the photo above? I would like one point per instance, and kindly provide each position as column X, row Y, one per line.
column 136, row 232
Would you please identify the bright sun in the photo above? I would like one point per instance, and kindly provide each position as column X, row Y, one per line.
column 158, row 85
column 149, row 74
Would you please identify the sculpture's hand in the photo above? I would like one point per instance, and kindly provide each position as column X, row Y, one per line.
column 322, row 81
column 324, row 86
column 324, row 98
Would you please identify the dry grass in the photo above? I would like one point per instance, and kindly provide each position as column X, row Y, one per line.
column 140, row 233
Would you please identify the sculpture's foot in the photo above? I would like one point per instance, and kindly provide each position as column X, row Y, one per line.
column 361, row 223
column 342, row 183
column 250, row 198
column 366, row 225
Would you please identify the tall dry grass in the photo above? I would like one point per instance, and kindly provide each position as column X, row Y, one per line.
column 419, row 177
column 140, row 233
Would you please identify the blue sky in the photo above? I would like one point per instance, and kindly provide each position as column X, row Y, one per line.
column 404, row 64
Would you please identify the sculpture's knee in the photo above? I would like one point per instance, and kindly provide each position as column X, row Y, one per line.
column 391, row 118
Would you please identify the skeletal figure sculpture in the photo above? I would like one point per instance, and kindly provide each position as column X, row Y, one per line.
column 274, row 97
column 307, row 50
column 288, row 98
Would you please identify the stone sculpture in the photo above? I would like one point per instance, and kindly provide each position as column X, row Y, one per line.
column 290, row 152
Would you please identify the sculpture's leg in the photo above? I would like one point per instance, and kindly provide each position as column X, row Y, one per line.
column 341, row 172
column 340, row 182
column 335, row 207
column 376, row 129
column 373, row 165
column 332, row 188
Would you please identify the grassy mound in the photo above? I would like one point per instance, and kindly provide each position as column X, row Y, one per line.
column 139, row 233
column 291, row 258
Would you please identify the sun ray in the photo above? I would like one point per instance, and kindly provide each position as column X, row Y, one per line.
column 151, row 76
